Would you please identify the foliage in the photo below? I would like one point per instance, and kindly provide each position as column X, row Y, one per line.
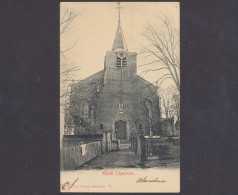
column 163, row 128
column 161, row 150
column 84, row 93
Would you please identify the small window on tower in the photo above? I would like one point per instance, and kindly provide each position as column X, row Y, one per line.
column 98, row 88
column 121, row 106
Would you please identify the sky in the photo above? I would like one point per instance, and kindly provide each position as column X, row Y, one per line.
column 95, row 27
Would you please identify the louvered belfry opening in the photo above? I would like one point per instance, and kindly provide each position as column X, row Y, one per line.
column 121, row 62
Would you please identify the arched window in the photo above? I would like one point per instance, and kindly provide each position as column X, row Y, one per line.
column 92, row 112
column 101, row 126
column 85, row 109
column 148, row 104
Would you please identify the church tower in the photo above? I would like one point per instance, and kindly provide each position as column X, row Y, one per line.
column 116, row 99
column 119, row 64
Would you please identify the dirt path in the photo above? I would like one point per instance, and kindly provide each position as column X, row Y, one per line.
column 127, row 158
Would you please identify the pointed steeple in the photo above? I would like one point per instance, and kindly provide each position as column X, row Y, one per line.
column 119, row 41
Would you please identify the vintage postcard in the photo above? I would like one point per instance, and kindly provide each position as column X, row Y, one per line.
column 120, row 97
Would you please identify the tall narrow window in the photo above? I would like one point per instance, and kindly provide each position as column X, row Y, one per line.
column 120, row 109
column 92, row 112
column 85, row 109
column 98, row 88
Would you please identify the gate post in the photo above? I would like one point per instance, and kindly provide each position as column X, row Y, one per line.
column 141, row 148
column 109, row 148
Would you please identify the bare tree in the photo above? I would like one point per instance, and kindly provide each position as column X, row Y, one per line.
column 167, row 103
column 162, row 51
column 66, row 20
column 170, row 101
column 67, row 70
column 176, row 98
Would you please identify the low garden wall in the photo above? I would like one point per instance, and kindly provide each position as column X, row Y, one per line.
column 156, row 146
column 163, row 147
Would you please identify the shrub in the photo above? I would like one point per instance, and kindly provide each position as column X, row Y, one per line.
column 161, row 150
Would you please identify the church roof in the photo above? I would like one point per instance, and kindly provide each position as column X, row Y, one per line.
column 147, row 82
column 119, row 41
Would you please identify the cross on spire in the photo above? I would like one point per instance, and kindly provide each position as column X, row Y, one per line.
column 119, row 10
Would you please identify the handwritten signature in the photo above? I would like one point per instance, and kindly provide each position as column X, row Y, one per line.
column 149, row 180
column 67, row 186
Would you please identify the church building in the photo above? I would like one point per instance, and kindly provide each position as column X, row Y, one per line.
column 115, row 99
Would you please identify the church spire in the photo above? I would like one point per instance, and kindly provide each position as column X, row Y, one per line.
column 119, row 41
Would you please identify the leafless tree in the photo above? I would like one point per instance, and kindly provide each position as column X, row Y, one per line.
column 176, row 98
column 162, row 52
column 66, row 20
column 170, row 102
column 67, row 70
column 166, row 96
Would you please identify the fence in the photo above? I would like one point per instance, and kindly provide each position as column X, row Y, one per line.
column 74, row 157
column 81, row 151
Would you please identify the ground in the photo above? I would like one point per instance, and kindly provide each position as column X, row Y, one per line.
column 127, row 158
column 112, row 171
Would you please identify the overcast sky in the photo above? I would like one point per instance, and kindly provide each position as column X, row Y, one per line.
column 95, row 26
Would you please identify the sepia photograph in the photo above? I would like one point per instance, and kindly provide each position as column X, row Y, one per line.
column 119, row 97
column 93, row 99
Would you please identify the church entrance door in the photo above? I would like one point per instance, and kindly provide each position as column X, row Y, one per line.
column 120, row 128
